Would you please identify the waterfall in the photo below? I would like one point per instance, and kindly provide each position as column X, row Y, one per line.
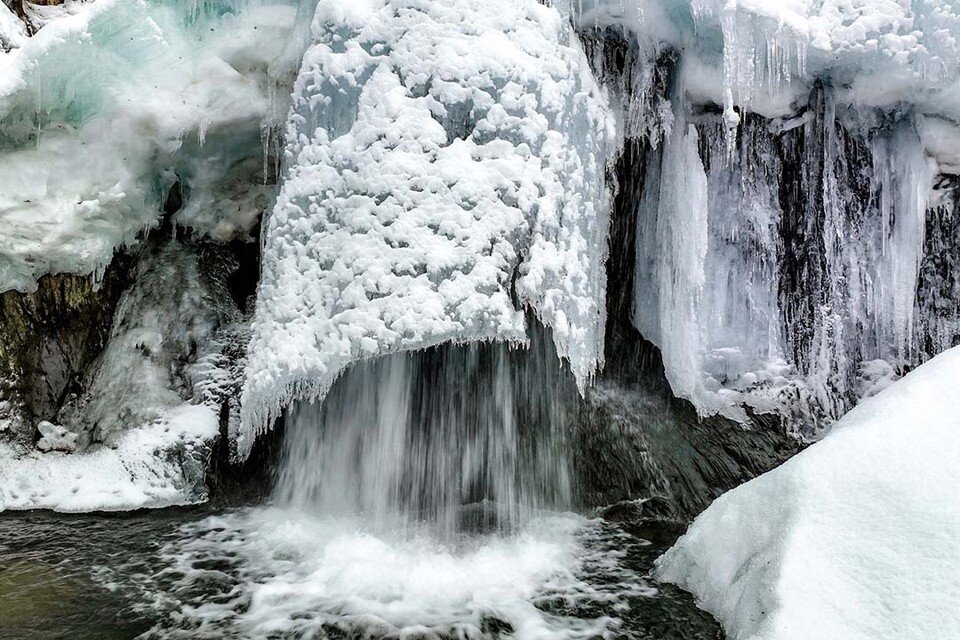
column 427, row 495
column 459, row 436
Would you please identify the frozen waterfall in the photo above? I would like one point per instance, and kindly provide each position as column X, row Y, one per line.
column 452, row 311
column 431, row 173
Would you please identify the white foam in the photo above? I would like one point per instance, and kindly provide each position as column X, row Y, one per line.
column 292, row 573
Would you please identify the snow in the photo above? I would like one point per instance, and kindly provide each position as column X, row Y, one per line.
column 107, row 105
column 12, row 30
column 56, row 438
column 445, row 167
column 157, row 465
column 858, row 537
column 763, row 54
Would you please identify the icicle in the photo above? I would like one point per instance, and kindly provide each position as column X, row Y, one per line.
column 905, row 177
column 671, row 250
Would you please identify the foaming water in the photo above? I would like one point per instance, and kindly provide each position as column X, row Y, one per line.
column 265, row 573
column 412, row 501
column 253, row 573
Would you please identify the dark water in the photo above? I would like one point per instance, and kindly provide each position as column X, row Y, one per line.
column 260, row 572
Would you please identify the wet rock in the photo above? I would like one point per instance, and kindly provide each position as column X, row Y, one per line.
column 48, row 339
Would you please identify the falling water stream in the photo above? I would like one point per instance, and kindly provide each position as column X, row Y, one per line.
column 428, row 496
column 458, row 438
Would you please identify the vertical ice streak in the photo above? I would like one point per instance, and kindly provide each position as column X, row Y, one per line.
column 906, row 177
column 677, row 218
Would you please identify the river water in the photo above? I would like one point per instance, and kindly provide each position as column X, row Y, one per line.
column 266, row 572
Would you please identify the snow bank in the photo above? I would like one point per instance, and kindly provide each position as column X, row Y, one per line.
column 858, row 537
column 154, row 466
column 445, row 166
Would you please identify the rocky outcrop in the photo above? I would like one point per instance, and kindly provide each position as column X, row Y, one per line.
column 48, row 339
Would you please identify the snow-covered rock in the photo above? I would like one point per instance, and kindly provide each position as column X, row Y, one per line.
column 445, row 167
column 856, row 538
column 157, row 465
column 55, row 437
column 12, row 30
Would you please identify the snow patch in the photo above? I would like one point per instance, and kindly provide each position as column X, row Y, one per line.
column 157, row 465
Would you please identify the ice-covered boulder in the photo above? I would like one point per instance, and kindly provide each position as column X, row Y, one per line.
column 55, row 437
column 445, row 167
column 856, row 538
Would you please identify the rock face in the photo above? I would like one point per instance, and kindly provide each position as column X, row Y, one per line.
column 49, row 338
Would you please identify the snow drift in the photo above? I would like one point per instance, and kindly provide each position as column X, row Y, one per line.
column 157, row 465
column 858, row 537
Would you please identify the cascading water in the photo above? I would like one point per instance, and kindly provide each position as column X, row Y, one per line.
column 427, row 497
column 456, row 437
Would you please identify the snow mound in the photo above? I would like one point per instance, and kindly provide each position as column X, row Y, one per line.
column 445, row 167
column 154, row 466
column 858, row 537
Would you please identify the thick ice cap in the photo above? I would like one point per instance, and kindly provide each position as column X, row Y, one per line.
column 445, row 168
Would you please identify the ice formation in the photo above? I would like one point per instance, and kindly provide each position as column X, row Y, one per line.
column 858, row 537
column 445, row 171
column 111, row 102
column 12, row 29
column 445, row 167
column 790, row 236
